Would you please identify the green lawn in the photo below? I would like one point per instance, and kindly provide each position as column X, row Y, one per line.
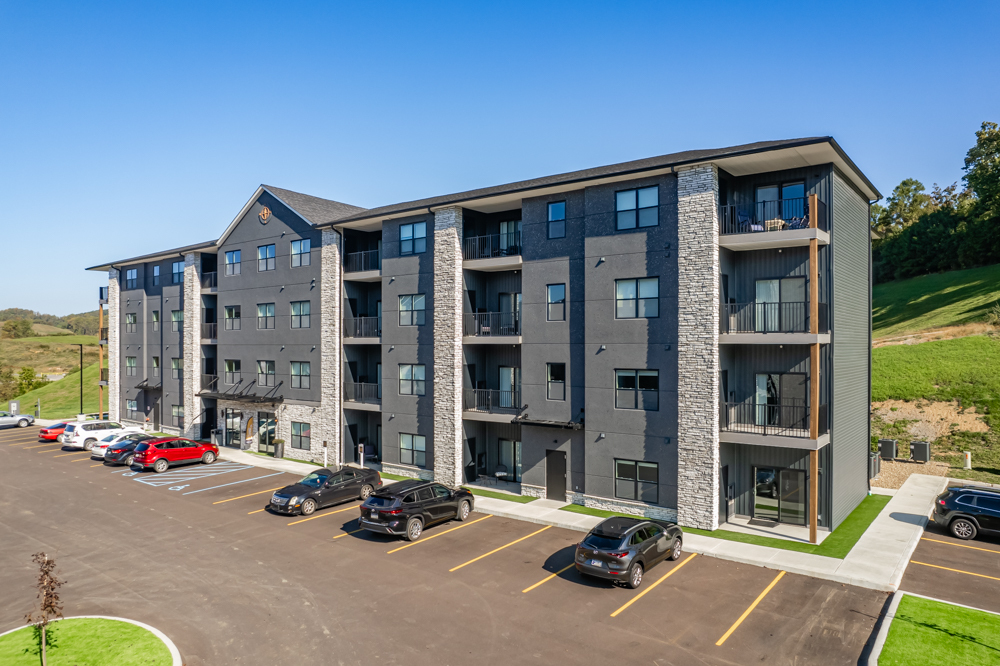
column 933, row 301
column 837, row 545
column 479, row 492
column 48, row 354
column 393, row 477
column 61, row 399
column 929, row 633
column 86, row 641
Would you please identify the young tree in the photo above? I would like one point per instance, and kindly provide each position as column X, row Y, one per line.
column 16, row 328
column 49, row 604
column 26, row 380
column 982, row 169
column 8, row 384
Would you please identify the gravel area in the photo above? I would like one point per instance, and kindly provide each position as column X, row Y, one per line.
column 933, row 419
column 895, row 472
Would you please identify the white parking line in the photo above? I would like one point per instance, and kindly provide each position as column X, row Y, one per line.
column 190, row 492
column 193, row 473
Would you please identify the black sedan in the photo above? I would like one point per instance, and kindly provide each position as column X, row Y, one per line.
column 325, row 487
column 122, row 453
column 405, row 508
column 622, row 549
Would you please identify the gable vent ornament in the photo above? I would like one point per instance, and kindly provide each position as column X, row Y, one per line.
column 264, row 215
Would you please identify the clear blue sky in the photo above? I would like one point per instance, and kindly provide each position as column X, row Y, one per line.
column 127, row 128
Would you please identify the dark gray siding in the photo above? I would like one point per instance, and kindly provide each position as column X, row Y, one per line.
column 742, row 190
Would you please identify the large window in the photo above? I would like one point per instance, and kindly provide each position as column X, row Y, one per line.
column 413, row 238
column 132, row 410
column 301, row 435
column 155, row 320
column 233, row 262
column 555, row 381
column 411, row 380
column 300, row 314
column 637, row 480
column 232, row 317
column 557, row 219
column 131, row 322
column 265, row 258
column 412, row 449
column 411, row 310
column 176, row 320
column 556, row 299
column 637, row 208
column 130, row 366
column 177, row 415
column 176, row 368
column 265, row 315
column 300, row 374
column 156, row 366
column 177, row 272
column 156, row 276
column 234, row 371
column 637, row 298
column 131, row 278
column 265, row 373
column 300, row 253
column 637, row 389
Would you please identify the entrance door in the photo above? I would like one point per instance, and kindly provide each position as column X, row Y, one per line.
column 510, row 238
column 266, row 427
column 793, row 304
column 510, row 307
column 352, row 431
column 555, row 475
column 510, row 457
column 233, row 419
column 767, row 304
column 792, row 497
column 156, row 416
column 470, row 467
column 510, row 386
column 766, row 493
column 724, row 493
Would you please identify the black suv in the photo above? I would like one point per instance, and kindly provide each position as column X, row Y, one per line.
column 967, row 510
column 407, row 507
column 622, row 549
column 325, row 487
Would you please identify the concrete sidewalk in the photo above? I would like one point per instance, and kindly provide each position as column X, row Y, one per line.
column 266, row 462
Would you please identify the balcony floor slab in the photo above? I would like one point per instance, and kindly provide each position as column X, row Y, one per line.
column 774, row 338
column 494, row 264
column 362, row 406
column 772, row 239
column 782, row 441
column 492, row 340
column 487, row 417
column 362, row 341
column 364, row 276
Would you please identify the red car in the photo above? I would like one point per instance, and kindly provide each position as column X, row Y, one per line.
column 52, row 432
column 164, row 452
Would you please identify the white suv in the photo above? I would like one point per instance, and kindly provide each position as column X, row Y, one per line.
column 84, row 434
column 98, row 449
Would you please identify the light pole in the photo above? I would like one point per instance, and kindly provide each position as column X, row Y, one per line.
column 81, row 379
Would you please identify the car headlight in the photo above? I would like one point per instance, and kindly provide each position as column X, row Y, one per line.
column 293, row 500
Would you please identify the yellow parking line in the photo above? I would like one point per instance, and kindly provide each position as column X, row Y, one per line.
column 955, row 570
column 63, row 455
column 257, row 511
column 250, row 495
column 548, row 578
column 663, row 578
column 98, row 465
column 80, row 459
column 434, row 536
column 496, row 550
column 330, row 513
column 38, row 446
column 346, row 533
column 756, row 601
column 960, row 545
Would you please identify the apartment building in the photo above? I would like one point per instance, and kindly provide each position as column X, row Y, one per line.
column 684, row 337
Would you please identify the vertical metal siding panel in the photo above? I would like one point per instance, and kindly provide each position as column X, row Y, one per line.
column 850, row 318
column 764, row 265
column 745, row 458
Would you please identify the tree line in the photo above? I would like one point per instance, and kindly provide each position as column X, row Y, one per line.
column 16, row 322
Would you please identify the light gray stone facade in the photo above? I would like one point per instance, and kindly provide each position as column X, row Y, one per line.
column 114, row 346
column 622, row 506
column 698, row 348
column 409, row 472
column 191, row 348
column 448, row 357
column 533, row 491
column 329, row 426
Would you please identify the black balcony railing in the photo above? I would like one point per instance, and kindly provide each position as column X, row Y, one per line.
column 789, row 418
column 209, row 331
column 102, row 295
column 765, row 216
column 491, row 324
column 209, row 280
column 210, row 383
column 492, row 246
column 102, row 334
column 771, row 318
column 363, row 392
column 492, row 401
column 363, row 327
column 370, row 260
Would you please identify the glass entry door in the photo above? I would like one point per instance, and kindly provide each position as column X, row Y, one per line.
column 780, row 495
column 233, row 432
column 266, row 427
column 510, row 457
column 510, row 386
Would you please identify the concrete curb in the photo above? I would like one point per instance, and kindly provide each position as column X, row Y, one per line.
column 175, row 654
column 883, row 630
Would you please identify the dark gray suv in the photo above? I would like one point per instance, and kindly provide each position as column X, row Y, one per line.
column 623, row 549
column 965, row 511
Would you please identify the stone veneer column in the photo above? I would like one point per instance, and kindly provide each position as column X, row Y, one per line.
column 448, row 346
column 331, row 322
column 698, row 347
column 190, row 347
column 114, row 346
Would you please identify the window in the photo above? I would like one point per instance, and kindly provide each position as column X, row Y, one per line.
column 176, row 368
column 232, row 317
column 412, row 449
column 300, row 314
column 413, row 238
column 156, row 320
column 131, row 278
column 556, row 381
column 233, row 262
column 131, row 322
column 265, row 373
column 556, row 297
column 557, row 219
column 177, row 272
column 300, row 374
column 636, row 480
column 156, row 276
column 411, row 380
column 301, row 434
column 156, row 366
column 411, row 310
column 131, row 409
column 637, row 206
column 130, row 366
column 300, row 253
column 177, row 414
column 637, row 389
column 265, row 258
column 637, row 298
column 265, row 315
column 233, row 371
column 176, row 320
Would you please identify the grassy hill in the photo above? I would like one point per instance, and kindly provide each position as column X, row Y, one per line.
column 45, row 329
column 48, row 353
column 61, row 399
column 934, row 301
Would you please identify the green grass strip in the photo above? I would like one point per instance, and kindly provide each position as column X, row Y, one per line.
column 86, row 641
column 520, row 499
column 933, row 632
column 393, row 477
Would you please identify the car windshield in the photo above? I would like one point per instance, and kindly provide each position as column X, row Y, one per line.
column 314, row 480
column 599, row 542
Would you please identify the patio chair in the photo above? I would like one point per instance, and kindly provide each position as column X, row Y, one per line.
column 501, row 472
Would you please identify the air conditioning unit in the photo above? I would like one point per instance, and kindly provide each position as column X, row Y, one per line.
column 920, row 451
column 887, row 449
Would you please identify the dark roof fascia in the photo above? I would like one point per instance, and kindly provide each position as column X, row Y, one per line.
column 163, row 253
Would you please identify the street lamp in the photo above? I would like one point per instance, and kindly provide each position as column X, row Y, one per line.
column 81, row 379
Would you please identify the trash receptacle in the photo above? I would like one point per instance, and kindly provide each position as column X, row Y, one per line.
column 279, row 448
column 920, row 451
column 217, row 436
column 874, row 465
column 887, row 449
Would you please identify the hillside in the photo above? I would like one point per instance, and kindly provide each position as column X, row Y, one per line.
column 61, row 399
column 83, row 323
column 48, row 354
column 45, row 329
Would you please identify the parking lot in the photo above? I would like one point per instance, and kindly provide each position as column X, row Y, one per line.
column 195, row 553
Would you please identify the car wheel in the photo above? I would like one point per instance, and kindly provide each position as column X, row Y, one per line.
column 23, row 423
column 89, row 444
column 414, row 528
column 675, row 552
column 308, row 507
column 160, row 466
column 208, row 458
column 774, row 493
column 128, row 461
column 634, row 575
column 963, row 529
column 463, row 510
column 366, row 491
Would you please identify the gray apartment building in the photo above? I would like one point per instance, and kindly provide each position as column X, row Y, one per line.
column 684, row 337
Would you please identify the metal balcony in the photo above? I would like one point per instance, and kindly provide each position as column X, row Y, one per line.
column 492, row 324
column 788, row 418
column 363, row 327
column 363, row 392
column 355, row 262
column 786, row 317
column 492, row 246
column 492, row 401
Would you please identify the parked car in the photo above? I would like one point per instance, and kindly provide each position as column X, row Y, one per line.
column 405, row 508
column 325, row 487
column 100, row 448
column 19, row 420
column 84, row 434
column 163, row 452
column 123, row 452
column 965, row 511
column 623, row 549
column 51, row 432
